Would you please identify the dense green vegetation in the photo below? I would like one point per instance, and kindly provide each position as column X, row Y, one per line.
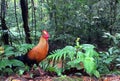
column 95, row 22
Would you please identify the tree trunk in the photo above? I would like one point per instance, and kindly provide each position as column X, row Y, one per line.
column 5, row 35
column 24, row 8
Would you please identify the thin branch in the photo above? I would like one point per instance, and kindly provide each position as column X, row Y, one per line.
column 34, row 15
column 17, row 20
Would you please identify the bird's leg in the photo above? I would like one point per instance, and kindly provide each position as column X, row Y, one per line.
column 32, row 69
column 41, row 71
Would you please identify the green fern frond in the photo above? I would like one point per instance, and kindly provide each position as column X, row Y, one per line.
column 55, row 54
column 70, row 52
column 67, row 52
column 73, row 56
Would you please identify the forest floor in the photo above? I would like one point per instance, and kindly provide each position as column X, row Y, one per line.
column 35, row 76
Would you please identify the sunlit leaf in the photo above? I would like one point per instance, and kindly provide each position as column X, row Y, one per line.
column 89, row 65
column 1, row 50
column 96, row 73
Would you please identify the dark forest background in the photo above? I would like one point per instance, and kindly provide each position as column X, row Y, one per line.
column 65, row 20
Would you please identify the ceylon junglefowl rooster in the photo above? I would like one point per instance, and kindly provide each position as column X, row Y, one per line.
column 37, row 53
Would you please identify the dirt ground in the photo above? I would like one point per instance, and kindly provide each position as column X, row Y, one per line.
column 65, row 78
column 53, row 77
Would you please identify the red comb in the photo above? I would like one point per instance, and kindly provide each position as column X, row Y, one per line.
column 45, row 32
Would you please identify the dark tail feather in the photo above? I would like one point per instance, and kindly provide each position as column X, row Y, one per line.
column 25, row 60
column 21, row 58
